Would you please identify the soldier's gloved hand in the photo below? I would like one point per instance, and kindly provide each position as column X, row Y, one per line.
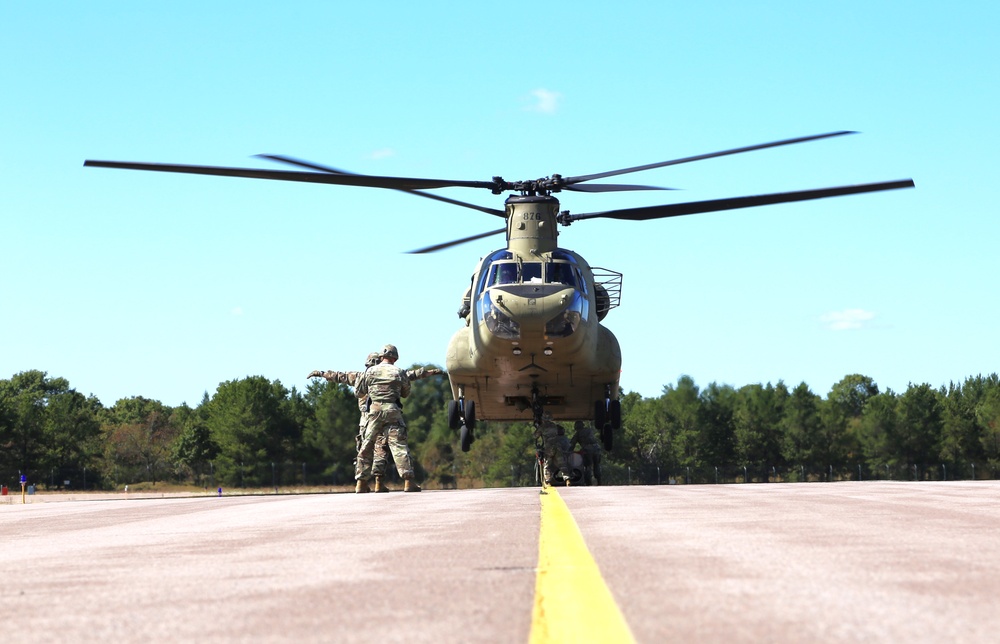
column 315, row 374
column 435, row 372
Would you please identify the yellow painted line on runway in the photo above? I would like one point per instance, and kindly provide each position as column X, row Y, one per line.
column 572, row 602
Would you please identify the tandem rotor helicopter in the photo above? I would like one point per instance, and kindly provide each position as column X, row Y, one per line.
column 533, row 345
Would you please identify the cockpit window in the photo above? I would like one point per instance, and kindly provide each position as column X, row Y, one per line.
column 510, row 272
column 531, row 273
column 561, row 274
column 505, row 273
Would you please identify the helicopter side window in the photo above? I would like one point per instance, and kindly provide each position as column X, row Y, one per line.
column 531, row 273
column 561, row 274
column 579, row 280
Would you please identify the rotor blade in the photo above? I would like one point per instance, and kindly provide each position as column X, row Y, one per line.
column 700, row 157
column 323, row 168
column 368, row 181
column 437, row 247
column 610, row 187
column 697, row 207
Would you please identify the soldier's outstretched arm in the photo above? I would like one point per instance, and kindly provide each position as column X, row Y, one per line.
column 342, row 377
column 422, row 372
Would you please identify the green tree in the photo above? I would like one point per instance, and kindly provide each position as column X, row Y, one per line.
column 757, row 421
column 248, row 419
column 45, row 425
column 718, row 439
column 841, row 420
column 194, row 449
column 988, row 418
column 72, row 436
column 646, row 440
column 920, row 422
column 329, row 433
column 960, row 429
column 138, row 436
column 682, row 407
column 878, row 431
column 803, row 442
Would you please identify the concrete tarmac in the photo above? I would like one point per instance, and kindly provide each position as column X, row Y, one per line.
column 868, row 561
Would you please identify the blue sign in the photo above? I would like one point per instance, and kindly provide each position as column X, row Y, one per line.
column 24, row 479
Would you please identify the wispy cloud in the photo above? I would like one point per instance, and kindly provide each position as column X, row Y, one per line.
column 847, row 319
column 383, row 153
column 238, row 310
column 543, row 101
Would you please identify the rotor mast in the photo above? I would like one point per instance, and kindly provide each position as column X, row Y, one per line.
column 532, row 224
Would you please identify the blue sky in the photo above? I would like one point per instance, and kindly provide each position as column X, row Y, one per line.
column 130, row 283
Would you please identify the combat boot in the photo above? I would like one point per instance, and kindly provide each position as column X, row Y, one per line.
column 362, row 487
column 379, row 486
column 409, row 485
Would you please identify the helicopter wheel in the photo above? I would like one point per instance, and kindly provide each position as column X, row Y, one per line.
column 470, row 414
column 454, row 415
column 466, row 438
column 615, row 414
column 600, row 413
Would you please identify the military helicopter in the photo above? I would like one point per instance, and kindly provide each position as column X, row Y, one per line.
column 533, row 346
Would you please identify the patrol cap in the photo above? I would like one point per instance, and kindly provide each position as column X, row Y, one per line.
column 373, row 359
column 389, row 351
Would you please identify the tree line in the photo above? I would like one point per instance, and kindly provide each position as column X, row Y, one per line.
column 255, row 433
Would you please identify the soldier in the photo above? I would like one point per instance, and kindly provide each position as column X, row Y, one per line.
column 555, row 458
column 591, row 448
column 386, row 385
column 351, row 378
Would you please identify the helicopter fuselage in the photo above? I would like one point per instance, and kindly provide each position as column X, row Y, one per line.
column 533, row 337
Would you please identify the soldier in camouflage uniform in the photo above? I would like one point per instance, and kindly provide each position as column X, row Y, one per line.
column 351, row 378
column 586, row 438
column 555, row 458
column 386, row 385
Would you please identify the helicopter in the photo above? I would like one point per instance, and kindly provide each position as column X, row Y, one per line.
column 532, row 346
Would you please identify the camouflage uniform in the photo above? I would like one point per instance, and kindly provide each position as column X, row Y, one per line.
column 386, row 384
column 586, row 438
column 380, row 458
column 555, row 454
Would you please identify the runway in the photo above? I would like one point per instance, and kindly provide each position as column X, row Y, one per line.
column 869, row 561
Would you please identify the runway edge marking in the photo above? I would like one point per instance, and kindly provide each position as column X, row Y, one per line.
column 570, row 594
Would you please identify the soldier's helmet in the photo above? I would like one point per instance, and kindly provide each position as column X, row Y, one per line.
column 578, row 425
column 389, row 351
column 373, row 359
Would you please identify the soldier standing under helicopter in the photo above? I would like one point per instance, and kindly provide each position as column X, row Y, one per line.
column 585, row 437
column 381, row 452
column 554, row 457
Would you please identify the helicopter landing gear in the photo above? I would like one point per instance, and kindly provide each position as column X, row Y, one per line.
column 607, row 418
column 462, row 416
